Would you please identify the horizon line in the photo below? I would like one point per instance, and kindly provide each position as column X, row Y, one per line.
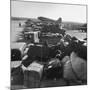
column 44, row 17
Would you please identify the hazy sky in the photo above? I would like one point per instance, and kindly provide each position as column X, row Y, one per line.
column 74, row 13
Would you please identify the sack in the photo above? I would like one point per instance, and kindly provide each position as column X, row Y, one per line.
column 79, row 66
column 75, row 69
column 54, row 69
column 67, row 69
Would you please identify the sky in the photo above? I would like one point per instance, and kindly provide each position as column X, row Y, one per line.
column 74, row 13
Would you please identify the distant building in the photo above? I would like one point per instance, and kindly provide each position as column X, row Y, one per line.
column 83, row 28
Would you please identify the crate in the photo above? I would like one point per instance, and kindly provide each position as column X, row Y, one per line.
column 33, row 75
column 31, row 79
